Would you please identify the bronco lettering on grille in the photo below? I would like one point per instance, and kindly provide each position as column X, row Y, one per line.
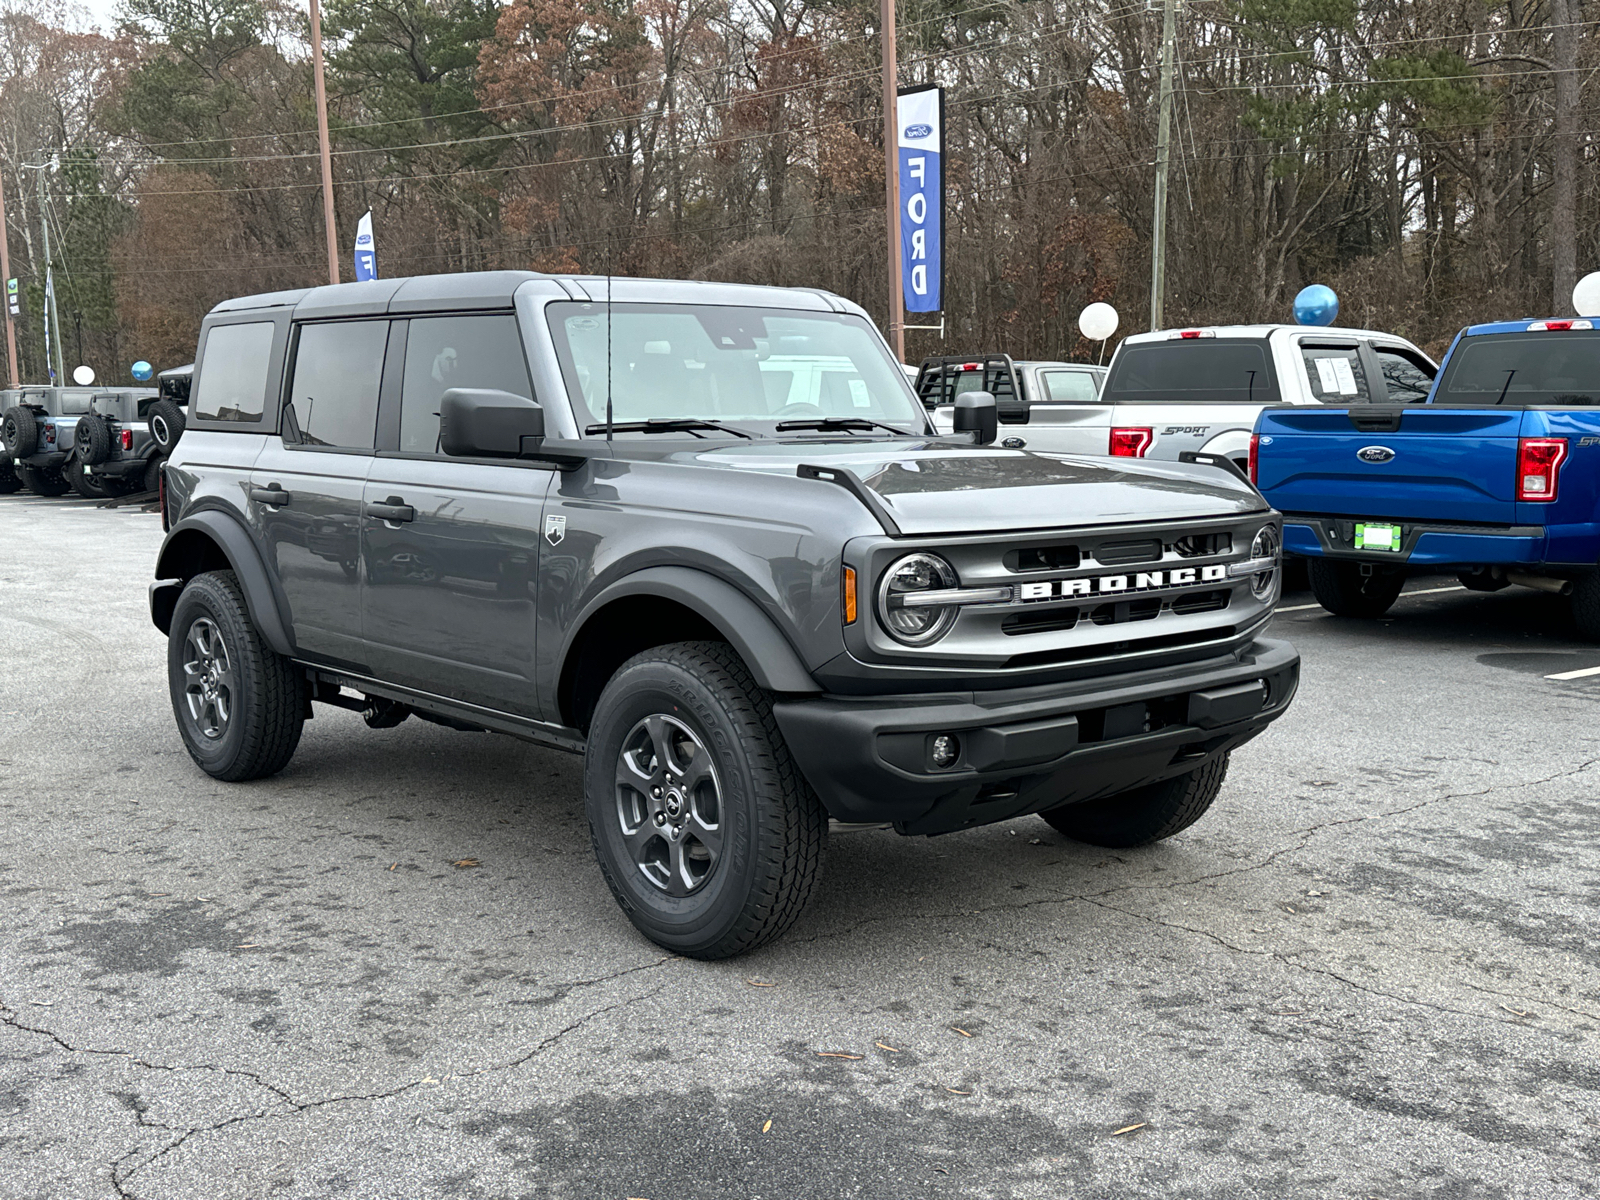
column 1105, row 585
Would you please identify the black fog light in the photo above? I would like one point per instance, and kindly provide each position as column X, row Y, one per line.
column 944, row 750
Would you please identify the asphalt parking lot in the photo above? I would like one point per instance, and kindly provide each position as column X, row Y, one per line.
column 395, row 971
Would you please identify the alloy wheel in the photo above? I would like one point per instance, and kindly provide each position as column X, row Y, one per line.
column 669, row 805
column 209, row 681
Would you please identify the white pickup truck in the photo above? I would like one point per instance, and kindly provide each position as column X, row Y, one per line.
column 1201, row 389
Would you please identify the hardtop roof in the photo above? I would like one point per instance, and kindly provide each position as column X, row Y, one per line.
column 1520, row 326
column 1265, row 331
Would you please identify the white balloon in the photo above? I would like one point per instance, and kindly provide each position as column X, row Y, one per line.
column 83, row 376
column 1098, row 321
column 1586, row 296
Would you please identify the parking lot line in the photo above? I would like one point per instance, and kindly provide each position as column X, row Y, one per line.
column 1584, row 673
column 1419, row 592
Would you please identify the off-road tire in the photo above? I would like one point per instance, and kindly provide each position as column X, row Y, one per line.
column 268, row 703
column 1343, row 590
column 1586, row 606
column 152, row 473
column 10, row 481
column 167, row 424
column 19, row 431
column 84, row 481
column 1145, row 814
column 776, row 827
column 45, row 481
column 91, row 440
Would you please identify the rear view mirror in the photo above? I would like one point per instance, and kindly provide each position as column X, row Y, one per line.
column 977, row 413
column 485, row 423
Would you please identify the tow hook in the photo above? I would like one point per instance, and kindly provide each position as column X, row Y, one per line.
column 384, row 714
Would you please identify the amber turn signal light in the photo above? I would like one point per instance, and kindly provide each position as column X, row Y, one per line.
column 849, row 595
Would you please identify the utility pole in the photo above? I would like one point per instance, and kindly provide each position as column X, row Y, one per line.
column 891, row 181
column 5, row 273
column 52, row 314
column 1158, row 231
column 322, row 135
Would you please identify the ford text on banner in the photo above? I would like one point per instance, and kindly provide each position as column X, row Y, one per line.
column 920, row 118
column 366, row 254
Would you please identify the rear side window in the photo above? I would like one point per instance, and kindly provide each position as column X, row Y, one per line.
column 232, row 385
column 1191, row 371
column 1335, row 374
column 1518, row 369
column 338, row 366
column 455, row 352
column 1069, row 387
column 1408, row 380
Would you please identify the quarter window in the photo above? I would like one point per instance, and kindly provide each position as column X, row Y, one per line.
column 337, row 368
column 1408, row 381
column 455, row 352
column 232, row 385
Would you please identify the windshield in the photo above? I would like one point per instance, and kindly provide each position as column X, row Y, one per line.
column 1193, row 370
column 726, row 364
column 1519, row 369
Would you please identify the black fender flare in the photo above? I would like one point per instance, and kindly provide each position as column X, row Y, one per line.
column 766, row 652
column 240, row 550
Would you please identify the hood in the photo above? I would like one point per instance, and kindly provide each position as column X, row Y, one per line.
column 938, row 488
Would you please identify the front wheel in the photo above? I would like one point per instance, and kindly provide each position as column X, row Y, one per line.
column 1145, row 814
column 240, row 705
column 1343, row 590
column 1586, row 605
column 708, row 835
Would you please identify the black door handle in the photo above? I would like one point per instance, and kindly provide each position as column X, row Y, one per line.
column 271, row 495
column 392, row 509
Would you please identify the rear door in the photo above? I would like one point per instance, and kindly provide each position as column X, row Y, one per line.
column 1387, row 462
column 305, row 488
column 451, row 546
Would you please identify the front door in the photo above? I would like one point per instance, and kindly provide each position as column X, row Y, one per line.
column 306, row 488
column 451, row 546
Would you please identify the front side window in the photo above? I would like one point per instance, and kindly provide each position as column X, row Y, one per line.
column 455, row 352
column 1071, row 387
column 232, row 384
column 1191, row 371
column 1335, row 375
column 338, row 366
column 726, row 364
column 1408, row 380
column 1524, row 369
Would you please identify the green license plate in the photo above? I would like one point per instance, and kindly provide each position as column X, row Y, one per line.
column 1378, row 537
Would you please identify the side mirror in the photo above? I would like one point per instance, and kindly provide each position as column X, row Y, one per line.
column 485, row 423
column 977, row 413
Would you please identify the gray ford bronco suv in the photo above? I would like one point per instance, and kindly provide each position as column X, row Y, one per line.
column 705, row 535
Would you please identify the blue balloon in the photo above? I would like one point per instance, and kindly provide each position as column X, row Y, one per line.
column 1316, row 305
column 142, row 370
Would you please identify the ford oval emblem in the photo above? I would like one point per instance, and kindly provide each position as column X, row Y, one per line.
column 915, row 132
column 1375, row 454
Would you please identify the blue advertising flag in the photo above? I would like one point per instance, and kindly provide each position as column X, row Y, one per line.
column 366, row 254
column 919, row 116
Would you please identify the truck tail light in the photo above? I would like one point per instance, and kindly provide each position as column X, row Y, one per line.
column 1254, row 461
column 1539, row 468
column 127, row 439
column 1187, row 334
column 50, row 435
column 849, row 595
column 1131, row 443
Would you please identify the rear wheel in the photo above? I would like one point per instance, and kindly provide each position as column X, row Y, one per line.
column 83, row 480
column 708, row 835
column 1145, row 814
column 10, row 481
column 45, row 481
column 1586, row 605
column 152, row 474
column 1343, row 590
column 240, row 705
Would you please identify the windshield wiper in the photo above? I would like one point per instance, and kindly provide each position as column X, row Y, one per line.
column 825, row 424
column 668, row 425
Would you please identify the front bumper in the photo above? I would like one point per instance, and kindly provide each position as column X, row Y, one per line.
column 1422, row 543
column 1024, row 750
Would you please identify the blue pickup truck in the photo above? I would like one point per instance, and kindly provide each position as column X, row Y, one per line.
column 1495, row 478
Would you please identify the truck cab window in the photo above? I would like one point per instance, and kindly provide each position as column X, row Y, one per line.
column 1334, row 374
column 455, row 352
column 1408, row 381
column 337, row 368
column 233, row 373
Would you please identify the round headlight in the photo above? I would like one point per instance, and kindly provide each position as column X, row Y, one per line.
column 1264, row 583
column 900, row 608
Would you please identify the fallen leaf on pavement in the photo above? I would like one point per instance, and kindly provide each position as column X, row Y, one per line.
column 392, row 866
column 757, row 983
column 767, row 1126
column 890, row 1049
column 1516, row 1012
column 834, row 1054
column 961, row 1031
column 464, row 863
column 957, row 1092
column 1129, row 1128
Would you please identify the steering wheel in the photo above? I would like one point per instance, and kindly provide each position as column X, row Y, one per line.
column 800, row 408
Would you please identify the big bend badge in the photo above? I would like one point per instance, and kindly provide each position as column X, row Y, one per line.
column 555, row 529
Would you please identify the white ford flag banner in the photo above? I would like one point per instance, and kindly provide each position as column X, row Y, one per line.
column 366, row 254
column 919, row 113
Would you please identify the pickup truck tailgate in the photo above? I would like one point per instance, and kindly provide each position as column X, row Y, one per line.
column 1419, row 463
